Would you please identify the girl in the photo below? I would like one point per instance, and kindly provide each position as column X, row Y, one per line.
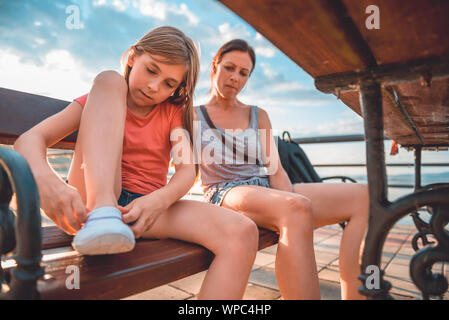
column 264, row 192
column 122, row 153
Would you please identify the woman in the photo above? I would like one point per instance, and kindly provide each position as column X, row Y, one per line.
column 260, row 189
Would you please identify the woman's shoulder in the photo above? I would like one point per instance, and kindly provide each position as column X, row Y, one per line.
column 264, row 119
column 248, row 106
column 196, row 110
column 262, row 113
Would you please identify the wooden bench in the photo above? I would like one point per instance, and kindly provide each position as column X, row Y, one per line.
column 28, row 275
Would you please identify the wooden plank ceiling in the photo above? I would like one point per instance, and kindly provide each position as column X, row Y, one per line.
column 329, row 36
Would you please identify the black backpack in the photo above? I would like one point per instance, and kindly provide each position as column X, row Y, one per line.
column 295, row 162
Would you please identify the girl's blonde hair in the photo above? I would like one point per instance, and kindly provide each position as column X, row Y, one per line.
column 176, row 48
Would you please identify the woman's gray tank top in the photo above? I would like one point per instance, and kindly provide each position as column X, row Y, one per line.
column 227, row 155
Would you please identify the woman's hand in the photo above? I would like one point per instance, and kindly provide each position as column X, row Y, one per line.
column 61, row 203
column 144, row 211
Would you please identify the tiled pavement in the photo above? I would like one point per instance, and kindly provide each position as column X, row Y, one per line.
column 263, row 286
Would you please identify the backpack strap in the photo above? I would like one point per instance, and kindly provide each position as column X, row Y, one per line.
column 288, row 135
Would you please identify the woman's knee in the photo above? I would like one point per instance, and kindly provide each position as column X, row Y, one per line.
column 364, row 193
column 361, row 198
column 241, row 237
column 296, row 210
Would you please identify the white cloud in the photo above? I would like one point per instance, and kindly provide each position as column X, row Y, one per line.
column 153, row 8
column 268, row 71
column 341, row 127
column 226, row 32
column 61, row 75
column 263, row 47
column 286, row 87
column 99, row 3
column 159, row 10
column 120, row 5
column 40, row 41
column 184, row 10
column 265, row 51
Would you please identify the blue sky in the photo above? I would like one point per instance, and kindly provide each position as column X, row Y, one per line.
column 40, row 54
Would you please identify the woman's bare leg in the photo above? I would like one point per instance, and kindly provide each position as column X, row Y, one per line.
column 232, row 237
column 291, row 216
column 335, row 203
column 96, row 166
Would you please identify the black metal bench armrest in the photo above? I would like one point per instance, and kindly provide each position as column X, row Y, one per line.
column 16, row 177
column 343, row 178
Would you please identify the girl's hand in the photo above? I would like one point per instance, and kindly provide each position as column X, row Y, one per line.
column 144, row 211
column 61, row 203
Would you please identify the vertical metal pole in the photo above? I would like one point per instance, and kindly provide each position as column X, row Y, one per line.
column 418, row 153
column 378, row 226
column 422, row 226
column 371, row 104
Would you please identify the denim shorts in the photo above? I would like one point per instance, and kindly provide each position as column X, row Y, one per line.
column 216, row 193
column 127, row 196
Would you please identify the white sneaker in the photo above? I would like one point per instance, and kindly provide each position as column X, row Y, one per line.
column 104, row 232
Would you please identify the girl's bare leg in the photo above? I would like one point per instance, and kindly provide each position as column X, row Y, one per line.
column 96, row 165
column 232, row 237
column 335, row 203
column 291, row 216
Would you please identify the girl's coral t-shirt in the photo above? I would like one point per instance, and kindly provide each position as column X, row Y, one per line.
column 146, row 146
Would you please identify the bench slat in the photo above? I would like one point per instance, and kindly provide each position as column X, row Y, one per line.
column 53, row 237
column 24, row 110
column 152, row 263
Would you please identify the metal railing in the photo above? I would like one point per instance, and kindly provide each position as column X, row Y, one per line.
column 53, row 153
column 359, row 138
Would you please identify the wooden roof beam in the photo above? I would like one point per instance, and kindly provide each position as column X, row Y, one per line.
column 297, row 26
column 417, row 70
column 335, row 11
